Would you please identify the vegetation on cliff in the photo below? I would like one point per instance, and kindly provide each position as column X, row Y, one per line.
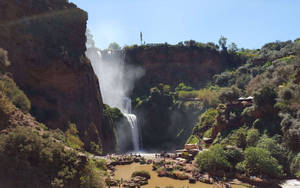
column 32, row 155
column 264, row 130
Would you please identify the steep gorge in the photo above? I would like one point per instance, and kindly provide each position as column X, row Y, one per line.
column 45, row 41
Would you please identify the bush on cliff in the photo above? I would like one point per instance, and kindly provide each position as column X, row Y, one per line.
column 91, row 177
column 72, row 137
column 27, row 159
column 4, row 62
column 205, row 122
column 16, row 96
column 295, row 166
column 252, row 137
column 228, row 95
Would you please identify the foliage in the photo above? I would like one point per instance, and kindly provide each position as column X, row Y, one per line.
column 232, row 48
column 260, row 162
column 291, row 130
column 15, row 95
column 265, row 96
column 183, row 87
column 72, row 137
column 207, row 96
column 222, row 43
column 230, row 94
column 205, row 121
column 252, row 137
column 141, row 173
column 276, row 150
column 114, row 46
column 236, row 138
column 91, row 176
column 114, row 114
column 295, row 166
column 27, row 159
column 95, row 148
column 4, row 62
column 192, row 140
column 213, row 160
column 234, row 155
column 6, row 105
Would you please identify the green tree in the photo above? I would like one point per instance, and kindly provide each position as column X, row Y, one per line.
column 213, row 159
column 222, row 43
column 265, row 96
column 252, row 137
column 233, row 48
column 277, row 151
column 114, row 46
column 259, row 161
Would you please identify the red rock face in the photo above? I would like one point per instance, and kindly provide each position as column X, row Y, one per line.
column 45, row 41
column 175, row 64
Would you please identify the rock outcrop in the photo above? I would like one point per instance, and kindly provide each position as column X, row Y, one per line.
column 172, row 64
column 45, row 41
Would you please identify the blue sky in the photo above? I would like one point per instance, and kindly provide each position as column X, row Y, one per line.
column 248, row 23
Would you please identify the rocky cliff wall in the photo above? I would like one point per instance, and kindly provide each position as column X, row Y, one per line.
column 172, row 64
column 45, row 41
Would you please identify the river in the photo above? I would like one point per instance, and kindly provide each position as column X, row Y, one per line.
column 125, row 172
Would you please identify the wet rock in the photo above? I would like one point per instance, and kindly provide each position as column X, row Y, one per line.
column 192, row 180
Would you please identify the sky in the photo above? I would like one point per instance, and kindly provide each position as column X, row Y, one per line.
column 248, row 23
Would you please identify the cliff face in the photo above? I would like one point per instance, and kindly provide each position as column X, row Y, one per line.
column 171, row 64
column 45, row 41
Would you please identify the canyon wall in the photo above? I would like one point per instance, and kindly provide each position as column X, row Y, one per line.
column 45, row 41
column 172, row 64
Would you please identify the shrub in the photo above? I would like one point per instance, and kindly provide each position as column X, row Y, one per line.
column 295, row 166
column 207, row 96
column 260, row 162
column 180, row 175
column 236, row 138
column 95, row 148
column 223, row 79
column 28, row 159
column 72, row 137
column 234, row 155
column 265, row 96
column 101, row 164
column 91, row 177
column 192, row 140
column 252, row 137
column 290, row 127
column 213, row 160
column 230, row 94
column 141, row 173
column 4, row 62
column 205, row 121
column 276, row 150
column 183, row 87
column 16, row 96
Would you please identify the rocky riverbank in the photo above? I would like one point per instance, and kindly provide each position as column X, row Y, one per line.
column 166, row 166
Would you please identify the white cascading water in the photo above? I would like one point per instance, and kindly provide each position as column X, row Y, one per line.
column 116, row 83
column 132, row 120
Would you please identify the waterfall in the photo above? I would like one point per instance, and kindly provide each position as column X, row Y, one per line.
column 132, row 120
column 116, row 83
